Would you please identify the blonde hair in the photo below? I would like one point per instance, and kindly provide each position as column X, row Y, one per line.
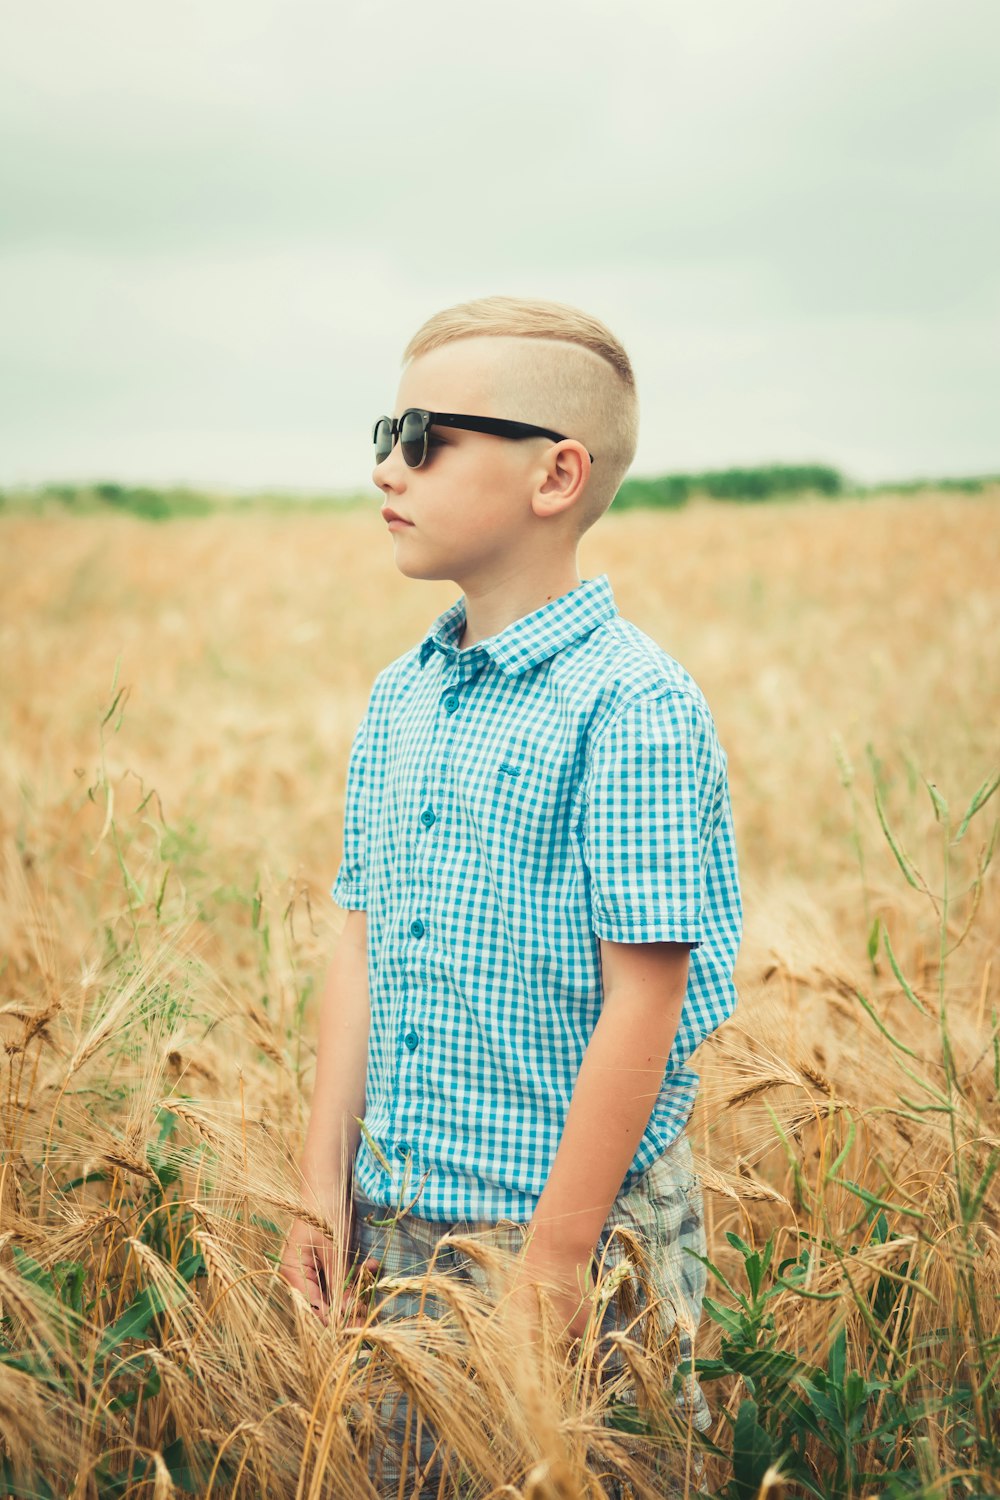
column 574, row 377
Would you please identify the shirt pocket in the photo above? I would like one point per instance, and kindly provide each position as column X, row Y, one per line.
column 524, row 801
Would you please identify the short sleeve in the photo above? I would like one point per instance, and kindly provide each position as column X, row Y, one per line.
column 350, row 889
column 654, row 785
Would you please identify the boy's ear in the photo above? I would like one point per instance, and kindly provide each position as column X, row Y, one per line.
column 565, row 475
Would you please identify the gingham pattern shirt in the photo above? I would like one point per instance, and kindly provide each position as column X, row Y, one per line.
column 508, row 806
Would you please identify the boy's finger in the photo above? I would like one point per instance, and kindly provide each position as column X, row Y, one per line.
column 301, row 1270
column 307, row 1288
column 359, row 1281
column 291, row 1271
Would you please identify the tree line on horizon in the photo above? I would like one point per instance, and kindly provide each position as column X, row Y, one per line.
column 754, row 484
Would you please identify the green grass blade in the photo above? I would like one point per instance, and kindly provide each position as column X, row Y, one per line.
column 937, row 801
column 979, row 799
column 900, row 1046
column 904, row 986
column 903, row 860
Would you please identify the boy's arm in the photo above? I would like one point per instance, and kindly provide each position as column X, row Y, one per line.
column 338, row 1101
column 312, row 1261
column 613, row 1097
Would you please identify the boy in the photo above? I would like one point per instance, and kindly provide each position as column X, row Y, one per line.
column 539, row 872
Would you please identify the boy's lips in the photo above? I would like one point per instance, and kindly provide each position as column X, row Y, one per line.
column 389, row 516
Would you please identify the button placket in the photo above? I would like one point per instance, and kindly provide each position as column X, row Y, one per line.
column 427, row 851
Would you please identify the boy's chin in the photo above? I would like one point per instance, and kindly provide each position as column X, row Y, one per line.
column 412, row 568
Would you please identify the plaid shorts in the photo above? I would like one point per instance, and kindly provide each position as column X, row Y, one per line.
column 662, row 1210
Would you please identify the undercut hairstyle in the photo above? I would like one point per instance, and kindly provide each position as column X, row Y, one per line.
column 562, row 369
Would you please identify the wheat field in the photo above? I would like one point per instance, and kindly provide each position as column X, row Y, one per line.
column 178, row 704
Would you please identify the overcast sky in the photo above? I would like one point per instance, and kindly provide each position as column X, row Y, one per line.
column 221, row 220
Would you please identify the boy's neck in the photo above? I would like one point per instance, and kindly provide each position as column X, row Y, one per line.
column 492, row 609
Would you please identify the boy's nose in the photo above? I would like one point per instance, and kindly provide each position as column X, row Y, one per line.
column 388, row 474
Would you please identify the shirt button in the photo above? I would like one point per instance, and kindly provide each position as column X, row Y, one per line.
column 417, row 928
column 427, row 817
column 402, row 1149
column 450, row 703
column 411, row 1039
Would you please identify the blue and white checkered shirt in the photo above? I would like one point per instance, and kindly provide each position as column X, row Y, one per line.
column 507, row 806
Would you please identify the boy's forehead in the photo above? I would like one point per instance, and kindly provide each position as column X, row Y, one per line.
column 459, row 377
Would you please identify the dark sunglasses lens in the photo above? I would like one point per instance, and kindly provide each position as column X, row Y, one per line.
column 411, row 439
column 383, row 439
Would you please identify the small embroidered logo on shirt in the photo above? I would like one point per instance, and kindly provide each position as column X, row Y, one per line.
column 509, row 768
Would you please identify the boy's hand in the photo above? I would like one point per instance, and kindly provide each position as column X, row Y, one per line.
column 568, row 1281
column 315, row 1265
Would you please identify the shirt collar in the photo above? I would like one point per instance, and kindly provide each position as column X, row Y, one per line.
column 533, row 638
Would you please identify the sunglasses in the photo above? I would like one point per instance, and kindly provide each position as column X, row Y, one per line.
column 412, row 428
